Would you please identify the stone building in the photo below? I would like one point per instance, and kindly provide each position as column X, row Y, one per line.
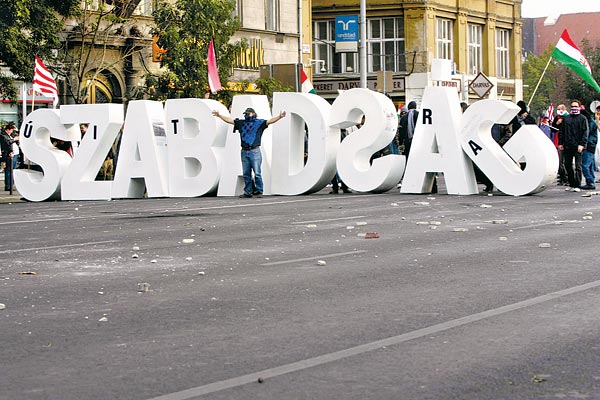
column 404, row 37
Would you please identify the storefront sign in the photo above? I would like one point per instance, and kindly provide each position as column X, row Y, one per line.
column 327, row 87
column 346, row 34
column 251, row 57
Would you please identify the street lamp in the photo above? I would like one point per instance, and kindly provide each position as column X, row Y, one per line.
column 317, row 62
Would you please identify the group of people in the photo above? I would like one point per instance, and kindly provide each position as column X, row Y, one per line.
column 576, row 136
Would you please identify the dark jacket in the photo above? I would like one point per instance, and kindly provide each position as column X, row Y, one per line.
column 592, row 137
column 404, row 136
column 6, row 142
column 516, row 123
column 574, row 132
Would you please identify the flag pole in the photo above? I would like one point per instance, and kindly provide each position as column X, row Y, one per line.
column 24, row 100
column 540, row 80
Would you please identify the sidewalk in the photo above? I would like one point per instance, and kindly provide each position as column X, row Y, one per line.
column 6, row 197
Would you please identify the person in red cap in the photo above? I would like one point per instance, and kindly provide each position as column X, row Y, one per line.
column 251, row 130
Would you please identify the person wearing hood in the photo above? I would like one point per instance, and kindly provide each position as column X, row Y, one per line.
column 522, row 118
column 251, row 130
column 587, row 156
column 561, row 113
column 406, row 130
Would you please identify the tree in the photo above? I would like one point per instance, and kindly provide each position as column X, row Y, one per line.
column 184, row 29
column 29, row 28
column 576, row 87
column 533, row 68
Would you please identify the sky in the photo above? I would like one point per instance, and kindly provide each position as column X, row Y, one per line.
column 546, row 8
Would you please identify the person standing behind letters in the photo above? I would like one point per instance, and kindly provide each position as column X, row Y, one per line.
column 251, row 130
column 572, row 140
column 408, row 122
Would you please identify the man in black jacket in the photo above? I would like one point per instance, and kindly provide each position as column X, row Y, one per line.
column 6, row 142
column 572, row 140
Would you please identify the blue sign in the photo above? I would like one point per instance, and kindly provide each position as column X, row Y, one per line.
column 346, row 34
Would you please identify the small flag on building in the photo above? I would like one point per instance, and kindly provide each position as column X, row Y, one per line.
column 43, row 82
column 307, row 86
column 213, row 73
column 568, row 53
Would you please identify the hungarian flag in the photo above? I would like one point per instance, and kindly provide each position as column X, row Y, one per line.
column 43, row 82
column 568, row 53
column 213, row 73
column 307, row 86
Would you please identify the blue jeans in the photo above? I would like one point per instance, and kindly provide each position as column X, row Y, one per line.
column 8, row 172
column 587, row 166
column 251, row 161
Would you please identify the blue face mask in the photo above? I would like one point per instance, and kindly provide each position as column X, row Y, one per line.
column 249, row 117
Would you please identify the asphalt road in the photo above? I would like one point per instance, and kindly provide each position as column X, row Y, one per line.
column 454, row 300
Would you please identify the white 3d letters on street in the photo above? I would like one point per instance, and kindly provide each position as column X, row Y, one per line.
column 39, row 126
column 501, row 164
column 356, row 150
column 143, row 161
column 196, row 142
column 436, row 148
column 105, row 120
column 182, row 150
column 289, row 174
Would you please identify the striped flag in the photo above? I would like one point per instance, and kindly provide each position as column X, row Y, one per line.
column 307, row 86
column 568, row 53
column 550, row 113
column 213, row 73
column 43, row 82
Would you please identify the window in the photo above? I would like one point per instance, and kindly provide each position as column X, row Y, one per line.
column 443, row 39
column 272, row 15
column 145, row 8
column 385, row 40
column 385, row 44
column 503, row 53
column 324, row 49
column 474, row 49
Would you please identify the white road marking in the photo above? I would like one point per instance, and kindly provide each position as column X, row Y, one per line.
column 60, row 246
column 364, row 348
column 329, row 220
column 313, row 258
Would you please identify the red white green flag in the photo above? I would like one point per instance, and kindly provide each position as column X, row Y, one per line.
column 568, row 53
column 307, row 86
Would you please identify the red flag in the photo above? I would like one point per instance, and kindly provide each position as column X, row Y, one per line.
column 43, row 82
column 213, row 74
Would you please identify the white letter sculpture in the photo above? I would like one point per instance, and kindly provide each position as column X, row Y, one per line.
column 500, row 164
column 289, row 174
column 196, row 142
column 105, row 120
column 36, row 145
column 356, row 150
column 436, row 148
column 143, row 155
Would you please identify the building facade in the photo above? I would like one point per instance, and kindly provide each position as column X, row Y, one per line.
column 404, row 37
column 539, row 34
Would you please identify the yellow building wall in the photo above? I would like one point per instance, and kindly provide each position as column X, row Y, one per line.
column 420, row 18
